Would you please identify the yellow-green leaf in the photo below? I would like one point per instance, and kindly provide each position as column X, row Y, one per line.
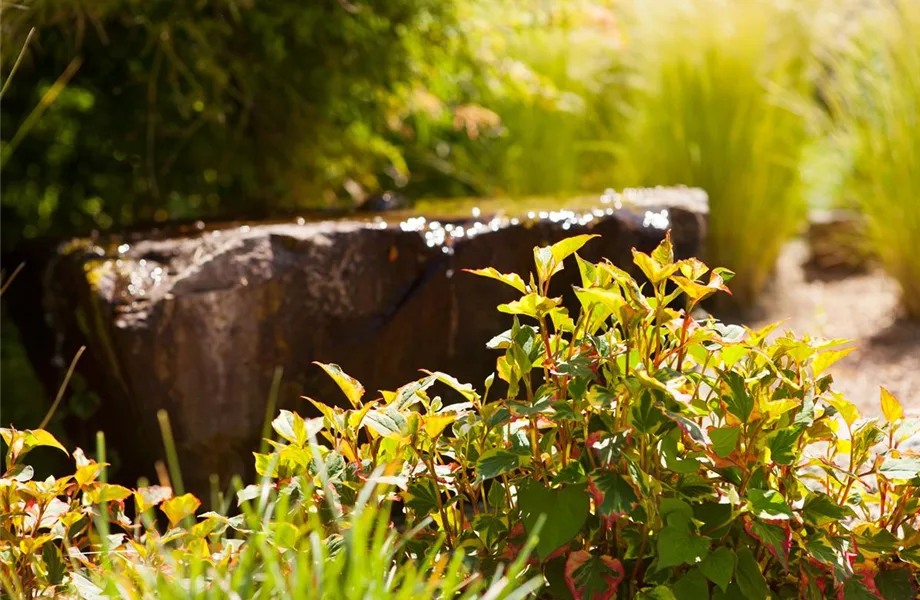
column 291, row 427
column 664, row 253
column 434, row 424
column 776, row 408
column 356, row 417
column 826, row 359
column 696, row 291
column 656, row 273
column 180, row 507
column 692, row 268
column 107, row 492
column 565, row 248
column 531, row 305
column 512, row 279
column 891, row 407
column 88, row 473
column 334, row 415
column 847, row 409
column 33, row 438
column 354, row 391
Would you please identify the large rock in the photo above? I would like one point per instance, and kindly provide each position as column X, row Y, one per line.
column 196, row 323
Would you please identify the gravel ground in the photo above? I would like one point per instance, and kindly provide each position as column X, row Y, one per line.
column 863, row 308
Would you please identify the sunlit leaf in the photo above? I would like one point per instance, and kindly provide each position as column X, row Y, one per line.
column 563, row 249
column 353, row 390
column 532, row 305
column 827, row 358
column 496, row 462
column 891, row 407
column 512, row 279
column 180, row 507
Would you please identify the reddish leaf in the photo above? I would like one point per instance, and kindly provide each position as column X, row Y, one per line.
column 612, row 576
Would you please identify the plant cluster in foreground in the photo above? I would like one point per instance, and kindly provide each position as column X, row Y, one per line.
column 674, row 458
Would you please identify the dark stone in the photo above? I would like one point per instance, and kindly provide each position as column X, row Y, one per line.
column 837, row 244
column 196, row 323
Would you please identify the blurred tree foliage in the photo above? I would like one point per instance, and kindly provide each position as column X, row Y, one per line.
column 183, row 108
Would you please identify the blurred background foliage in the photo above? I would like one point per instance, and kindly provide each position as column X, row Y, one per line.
column 126, row 112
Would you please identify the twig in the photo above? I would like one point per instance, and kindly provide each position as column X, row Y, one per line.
column 16, row 64
column 60, row 394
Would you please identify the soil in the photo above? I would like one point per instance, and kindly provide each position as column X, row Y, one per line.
column 862, row 307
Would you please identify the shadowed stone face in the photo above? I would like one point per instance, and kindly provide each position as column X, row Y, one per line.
column 197, row 323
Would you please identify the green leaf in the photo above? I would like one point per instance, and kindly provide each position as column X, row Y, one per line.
column 749, row 577
column 820, row 509
column 512, row 279
column 783, row 444
column 422, row 497
column 619, row 496
column 490, row 528
column 853, row 589
column 692, row 586
column 354, row 391
column 831, row 552
column 739, row 403
column 659, row 592
column 676, row 545
column 776, row 538
column 571, row 473
column 54, row 564
column 768, row 504
column 719, row 566
column 566, row 510
column 896, row 584
column 495, row 462
column 724, row 440
column 900, row 469
column 646, row 416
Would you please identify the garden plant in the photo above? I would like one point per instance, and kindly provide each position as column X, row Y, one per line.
column 628, row 446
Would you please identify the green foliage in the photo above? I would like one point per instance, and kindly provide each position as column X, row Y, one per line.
column 531, row 112
column 665, row 451
column 874, row 92
column 639, row 452
column 718, row 104
column 72, row 538
column 180, row 109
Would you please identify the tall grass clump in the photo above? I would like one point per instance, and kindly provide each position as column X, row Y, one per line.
column 875, row 100
column 717, row 105
column 533, row 111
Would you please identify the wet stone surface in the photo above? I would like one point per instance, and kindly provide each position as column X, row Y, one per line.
column 196, row 323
